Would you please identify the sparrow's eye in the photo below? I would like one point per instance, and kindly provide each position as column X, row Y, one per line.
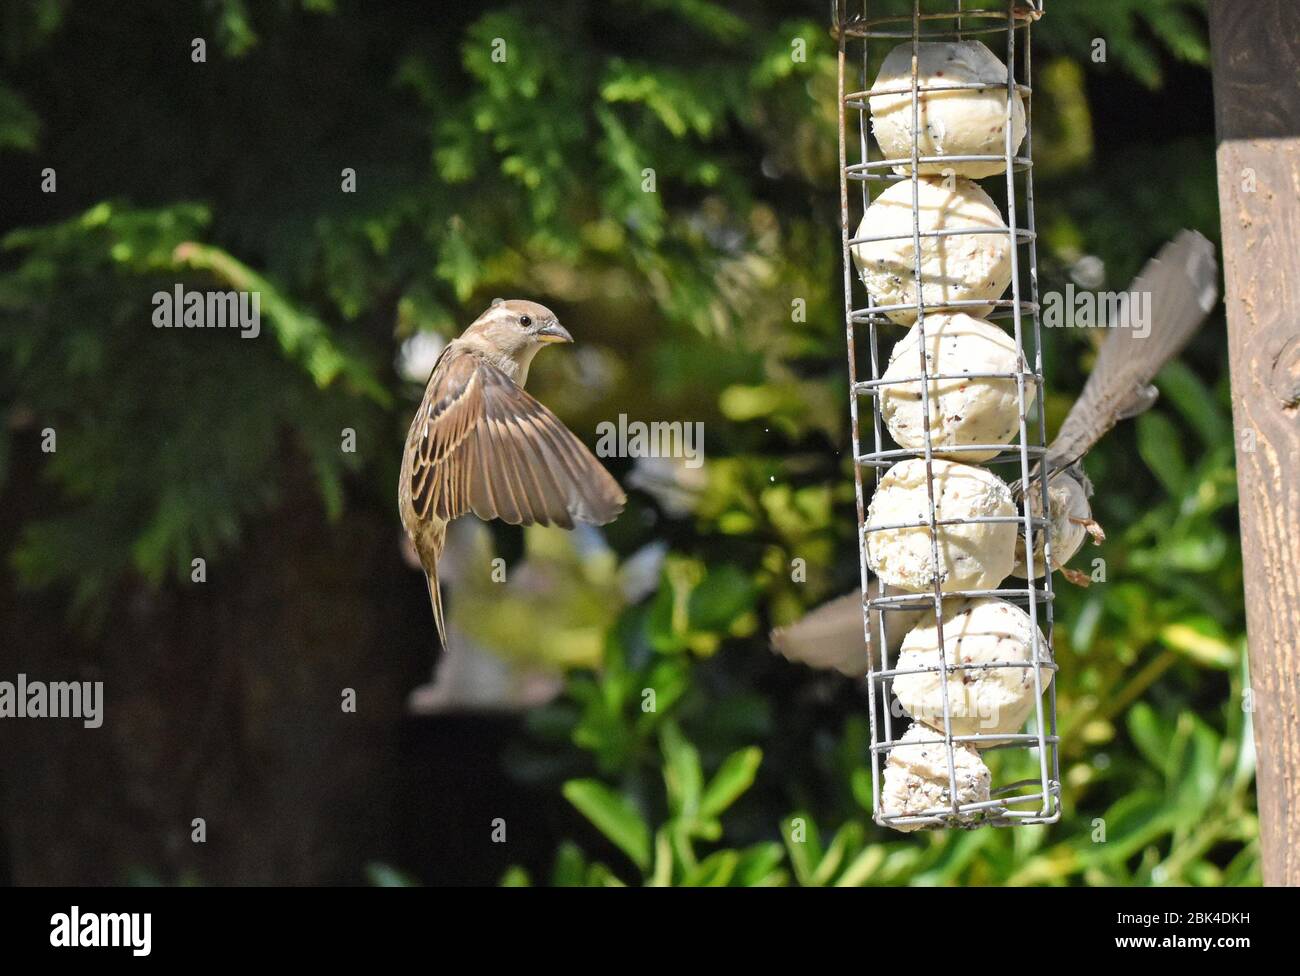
column 525, row 321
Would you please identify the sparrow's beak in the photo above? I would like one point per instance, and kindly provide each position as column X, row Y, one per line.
column 554, row 332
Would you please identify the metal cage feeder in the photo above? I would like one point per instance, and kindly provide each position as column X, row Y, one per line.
column 863, row 38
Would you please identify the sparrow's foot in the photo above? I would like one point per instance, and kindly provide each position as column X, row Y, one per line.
column 1093, row 527
column 1076, row 576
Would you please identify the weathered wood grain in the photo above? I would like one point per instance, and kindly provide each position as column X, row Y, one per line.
column 1256, row 61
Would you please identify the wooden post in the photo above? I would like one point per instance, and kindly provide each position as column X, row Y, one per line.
column 1255, row 46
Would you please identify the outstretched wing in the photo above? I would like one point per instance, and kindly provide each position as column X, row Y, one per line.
column 1182, row 280
column 829, row 637
column 483, row 445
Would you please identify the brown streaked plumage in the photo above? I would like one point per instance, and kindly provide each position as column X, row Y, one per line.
column 479, row 443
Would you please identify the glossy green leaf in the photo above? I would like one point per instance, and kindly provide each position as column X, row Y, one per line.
column 682, row 773
column 803, row 846
column 733, row 778
column 613, row 815
column 715, row 871
column 725, row 593
column 1159, row 443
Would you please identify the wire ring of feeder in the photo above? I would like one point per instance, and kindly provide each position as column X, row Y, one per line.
column 906, row 600
column 1026, row 800
column 862, row 27
column 866, row 171
column 1021, row 236
column 1002, row 308
column 1006, row 454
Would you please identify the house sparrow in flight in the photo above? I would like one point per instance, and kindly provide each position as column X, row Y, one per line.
column 480, row 444
column 1182, row 280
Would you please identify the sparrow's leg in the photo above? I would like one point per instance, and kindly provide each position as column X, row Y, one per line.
column 1076, row 576
column 1093, row 527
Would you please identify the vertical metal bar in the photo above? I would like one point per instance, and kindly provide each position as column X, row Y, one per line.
column 932, row 517
column 841, row 13
column 1031, row 590
column 877, row 426
column 1048, row 603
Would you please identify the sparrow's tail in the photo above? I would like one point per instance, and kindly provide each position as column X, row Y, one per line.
column 435, row 598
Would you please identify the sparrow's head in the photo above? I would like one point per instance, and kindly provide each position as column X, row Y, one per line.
column 517, row 329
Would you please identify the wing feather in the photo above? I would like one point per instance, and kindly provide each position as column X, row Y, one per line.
column 1182, row 280
column 487, row 447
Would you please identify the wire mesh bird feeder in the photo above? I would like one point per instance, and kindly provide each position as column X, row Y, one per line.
column 950, row 735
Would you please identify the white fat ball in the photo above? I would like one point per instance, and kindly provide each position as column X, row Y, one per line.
column 957, row 122
column 954, row 268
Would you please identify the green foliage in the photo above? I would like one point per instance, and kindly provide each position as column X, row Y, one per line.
column 1135, row 34
column 693, row 808
column 77, row 310
column 19, row 125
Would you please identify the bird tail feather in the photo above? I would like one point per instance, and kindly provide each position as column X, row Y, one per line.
column 435, row 599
